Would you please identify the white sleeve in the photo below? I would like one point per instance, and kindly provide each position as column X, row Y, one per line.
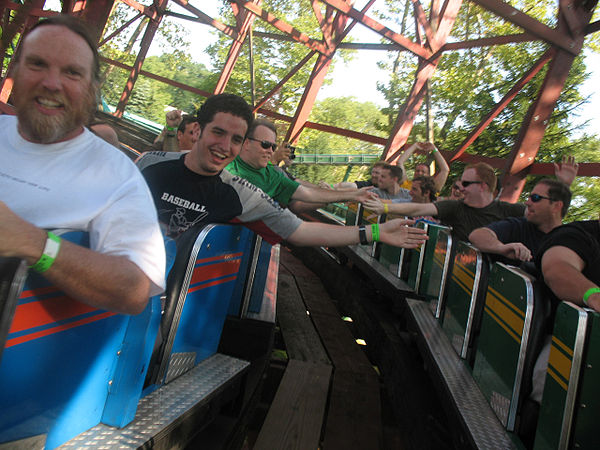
column 128, row 226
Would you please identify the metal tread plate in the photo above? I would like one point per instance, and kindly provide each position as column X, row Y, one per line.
column 485, row 429
column 159, row 410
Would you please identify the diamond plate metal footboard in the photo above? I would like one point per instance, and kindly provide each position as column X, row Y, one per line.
column 479, row 421
column 164, row 408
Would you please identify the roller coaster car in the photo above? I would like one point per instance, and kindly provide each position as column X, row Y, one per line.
column 76, row 373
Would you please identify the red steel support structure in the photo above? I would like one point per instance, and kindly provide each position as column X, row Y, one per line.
column 336, row 18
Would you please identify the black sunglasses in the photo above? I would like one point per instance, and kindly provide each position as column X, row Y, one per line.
column 264, row 144
column 466, row 184
column 537, row 197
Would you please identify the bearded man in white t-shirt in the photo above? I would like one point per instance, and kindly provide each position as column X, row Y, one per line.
column 56, row 174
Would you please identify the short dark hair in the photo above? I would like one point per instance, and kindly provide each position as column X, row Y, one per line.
column 186, row 119
column 78, row 27
column 261, row 123
column 227, row 103
column 396, row 171
column 378, row 164
column 427, row 185
column 558, row 191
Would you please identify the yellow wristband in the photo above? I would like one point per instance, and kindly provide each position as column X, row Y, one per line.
column 386, row 208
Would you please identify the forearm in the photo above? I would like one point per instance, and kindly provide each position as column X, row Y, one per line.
column 345, row 185
column 442, row 172
column 486, row 241
column 311, row 234
column 170, row 143
column 103, row 281
column 319, row 195
column 405, row 155
column 412, row 209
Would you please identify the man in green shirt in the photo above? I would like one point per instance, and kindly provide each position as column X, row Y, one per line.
column 253, row 164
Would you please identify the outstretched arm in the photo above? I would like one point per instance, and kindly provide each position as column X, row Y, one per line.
column 402, row 209
column 345, row 185
column 566, row 171
column 103, row 281
column 320, row 195
column 562, row 268
column 395, row 232
column 487, row 241
column 404, row 157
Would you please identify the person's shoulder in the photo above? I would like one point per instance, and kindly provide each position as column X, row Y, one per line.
column 509, row 206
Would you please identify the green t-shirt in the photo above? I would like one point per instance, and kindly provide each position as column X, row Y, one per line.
column 271, row 181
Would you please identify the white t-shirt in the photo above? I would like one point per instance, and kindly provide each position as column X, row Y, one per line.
column 83, row 184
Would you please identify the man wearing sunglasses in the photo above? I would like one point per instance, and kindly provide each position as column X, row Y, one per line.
column 476, row 209
column 194, row 189
column 253, row 164
column 518, row 239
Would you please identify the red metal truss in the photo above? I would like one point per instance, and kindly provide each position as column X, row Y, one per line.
column 536, row 120
column 244, row 21
column 151, row 28
column 425, row 71
column 497, row 109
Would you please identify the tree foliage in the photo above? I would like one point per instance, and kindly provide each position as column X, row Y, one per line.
column 468, row 83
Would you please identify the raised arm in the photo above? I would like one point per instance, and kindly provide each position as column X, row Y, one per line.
column 442, row 169
column 395, row 232
column 103, row 281
column 487, row 241
column 566, row 171
column 173, row 119
column 562, row 268
column 406, row 154
column 402, row 209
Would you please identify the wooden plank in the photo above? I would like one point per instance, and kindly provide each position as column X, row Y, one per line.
column 354, row 413
column 295, row 418
column 301, row 339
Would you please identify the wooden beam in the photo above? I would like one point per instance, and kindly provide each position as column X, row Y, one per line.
column 206, row 19
column 244, row 20
column 162, row 79
column 498, row 107
column 283, row 26
column 513, row 15
column 151, row 29
column 399, row 39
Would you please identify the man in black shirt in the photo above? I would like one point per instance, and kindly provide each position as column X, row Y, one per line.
column 195, row 189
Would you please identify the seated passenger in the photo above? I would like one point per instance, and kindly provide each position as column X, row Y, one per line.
column 423, row 170
column 422, row 190
column 374, row 181
column 518, row 238
column 57, row 174
column 476, row 209
column 253, row 164
column 179, row 134
column 388, row 185
column 569, row 258
column 106, row 132
column 195, row 189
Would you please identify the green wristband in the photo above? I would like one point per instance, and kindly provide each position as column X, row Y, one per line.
column 375, row 232
column 588, row 293
column 168, row 128
column 49, row 255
